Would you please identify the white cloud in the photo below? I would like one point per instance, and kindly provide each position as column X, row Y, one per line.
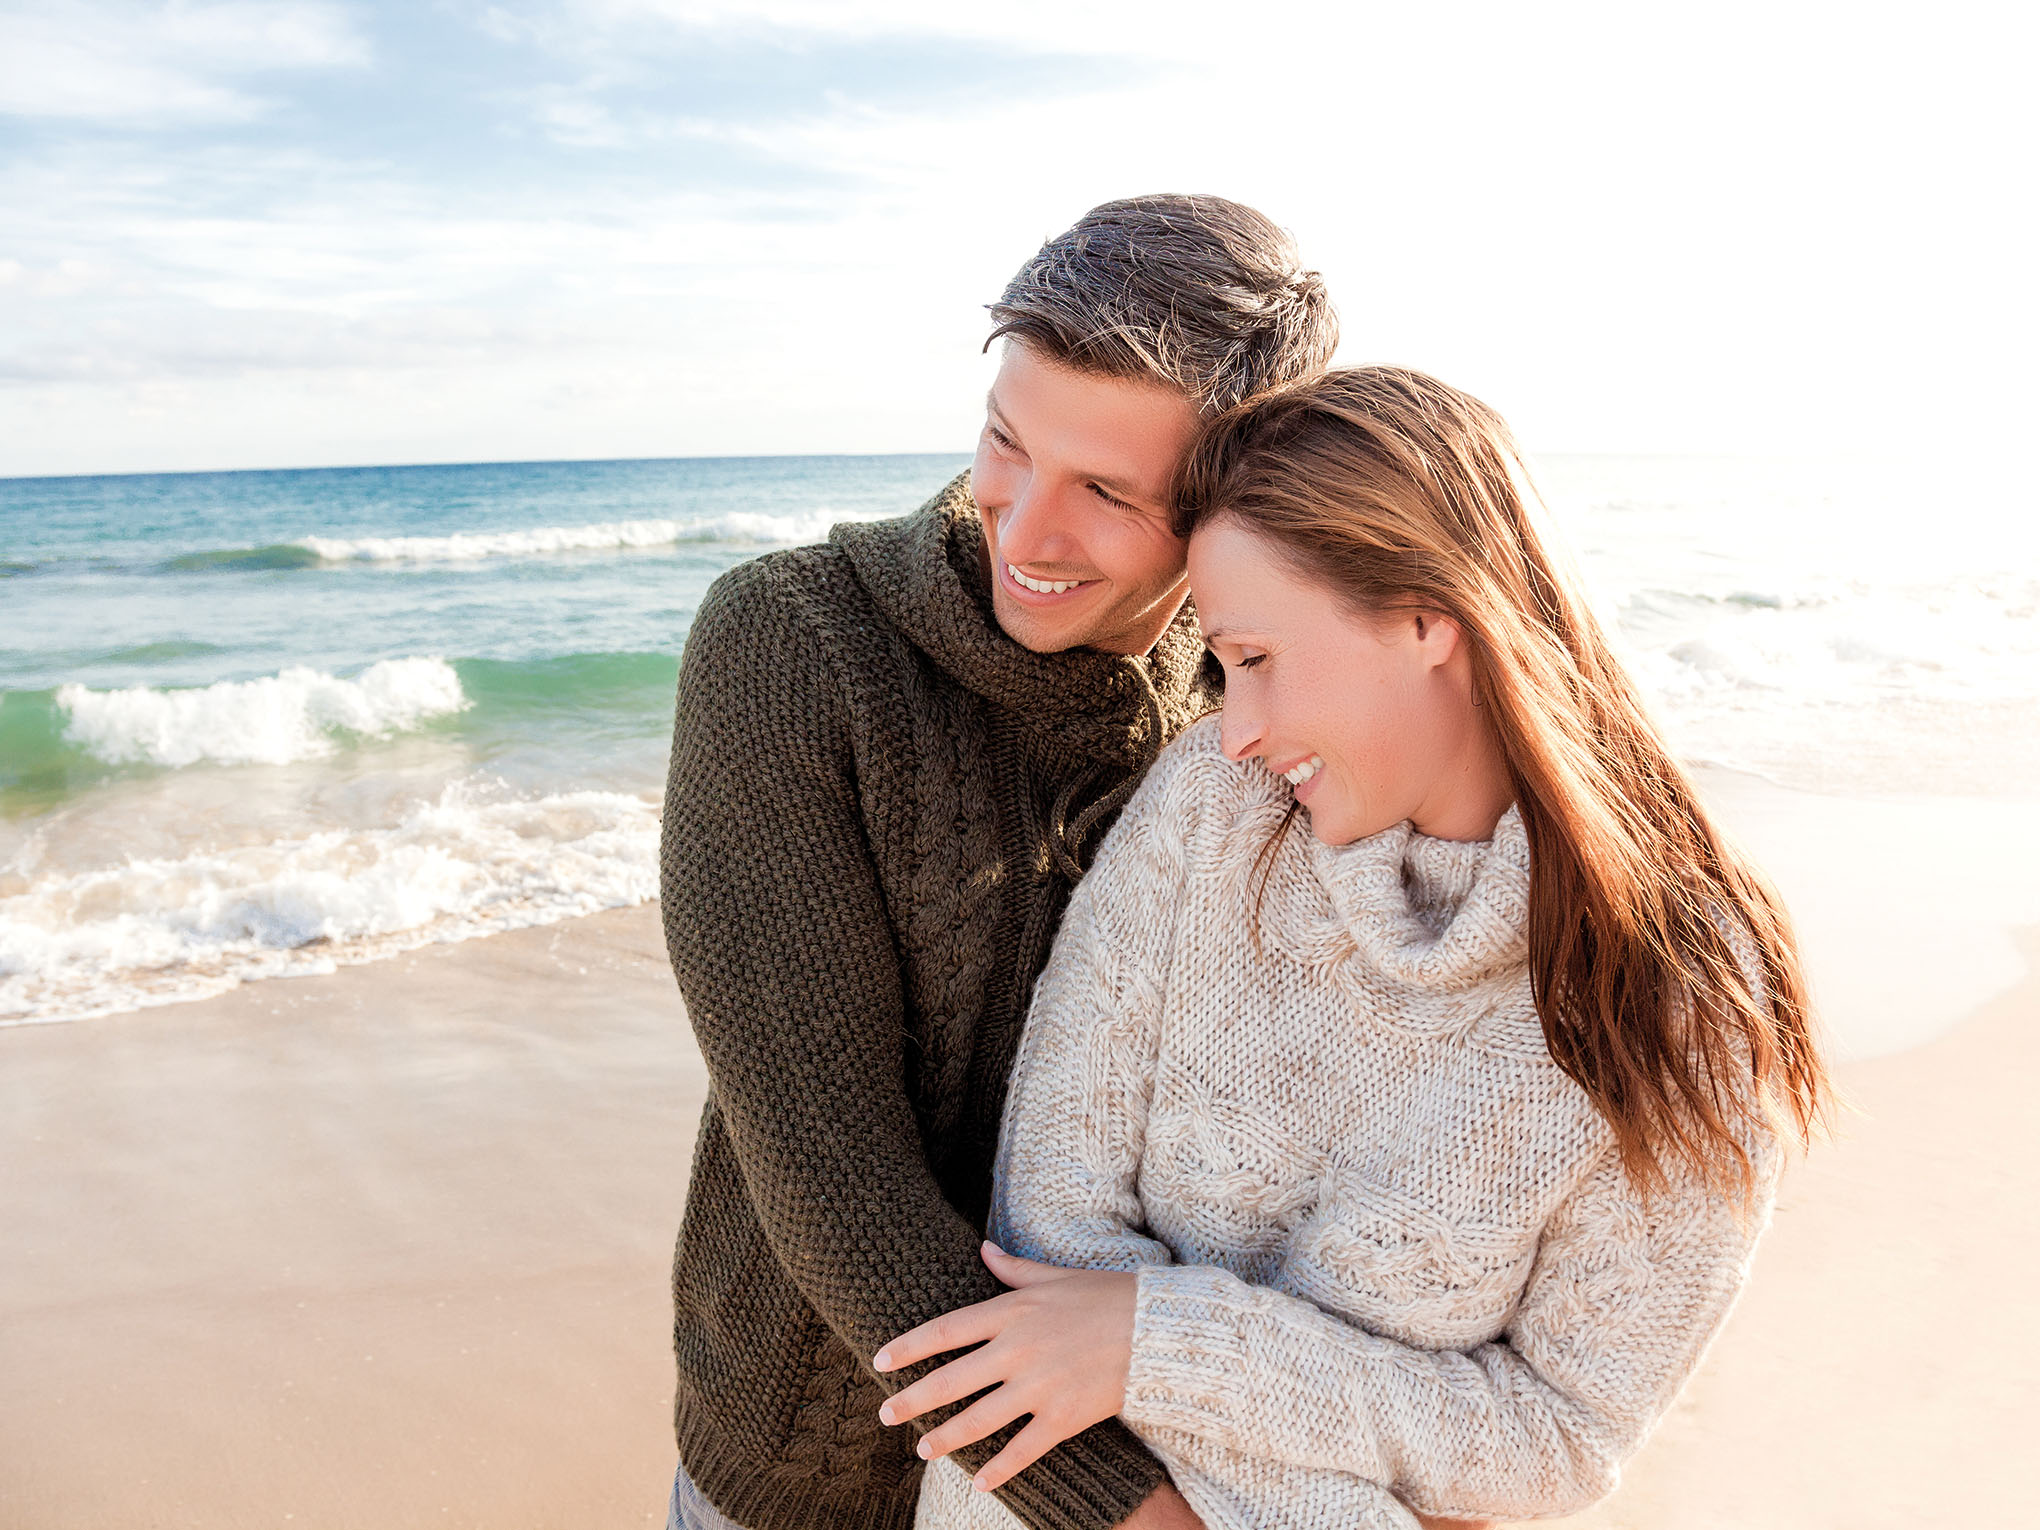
column 133, row 63
column 1185, row 28
column 1628, row 231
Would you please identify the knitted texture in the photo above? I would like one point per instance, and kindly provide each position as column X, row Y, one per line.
column 876, row 808
column 1388, row 1255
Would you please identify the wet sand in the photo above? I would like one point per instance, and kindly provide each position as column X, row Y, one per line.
column 381, row 1249
column 388, row 1249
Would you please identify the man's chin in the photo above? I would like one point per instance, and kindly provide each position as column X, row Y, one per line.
column 1034, row 633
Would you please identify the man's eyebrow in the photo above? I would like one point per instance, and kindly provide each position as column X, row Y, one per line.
column 1124, row 488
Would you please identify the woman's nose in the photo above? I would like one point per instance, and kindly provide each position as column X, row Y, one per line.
column 1239, row 732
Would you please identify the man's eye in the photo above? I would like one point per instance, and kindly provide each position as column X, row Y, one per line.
column 1110, row 498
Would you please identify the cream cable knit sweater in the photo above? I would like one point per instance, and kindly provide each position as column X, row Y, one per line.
column 1387, row 1251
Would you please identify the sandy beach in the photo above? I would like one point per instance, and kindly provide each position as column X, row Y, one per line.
column 388, row 1248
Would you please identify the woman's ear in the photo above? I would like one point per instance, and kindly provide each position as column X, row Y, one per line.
column 1437, row 637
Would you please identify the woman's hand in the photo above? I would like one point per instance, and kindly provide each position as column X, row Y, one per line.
column 1057, row 1346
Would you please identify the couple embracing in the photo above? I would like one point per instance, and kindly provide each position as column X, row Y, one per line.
column 1221, row 1008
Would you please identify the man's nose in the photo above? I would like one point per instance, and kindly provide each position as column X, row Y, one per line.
column 1029, row 530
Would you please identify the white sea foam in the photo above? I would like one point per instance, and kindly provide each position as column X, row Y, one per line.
column 742, row 527
column 78, row 944
column 1848, row 646
column 292, row 715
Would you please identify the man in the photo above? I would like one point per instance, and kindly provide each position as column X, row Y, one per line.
column 893, row 756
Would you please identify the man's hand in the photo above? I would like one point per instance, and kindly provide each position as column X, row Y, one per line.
column 1058, row 1346
column 1163, row 1509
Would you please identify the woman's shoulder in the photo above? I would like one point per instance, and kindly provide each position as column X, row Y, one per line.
column 1189, row 805
column 1193, row 780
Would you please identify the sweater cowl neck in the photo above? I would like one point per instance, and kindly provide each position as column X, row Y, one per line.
column 926, row 572
column 1434, row 914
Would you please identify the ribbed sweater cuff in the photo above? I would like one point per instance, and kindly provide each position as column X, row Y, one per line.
column 1189, row 1358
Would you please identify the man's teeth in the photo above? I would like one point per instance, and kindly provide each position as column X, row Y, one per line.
column 1304, row 772
column 1042, row 586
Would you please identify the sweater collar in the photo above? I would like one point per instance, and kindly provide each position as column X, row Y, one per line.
column 1433, row 915
column 926, row 572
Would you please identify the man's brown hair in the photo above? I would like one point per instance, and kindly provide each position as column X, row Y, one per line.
column 1195, row 292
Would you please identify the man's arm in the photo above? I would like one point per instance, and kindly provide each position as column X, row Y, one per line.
column 777, row 932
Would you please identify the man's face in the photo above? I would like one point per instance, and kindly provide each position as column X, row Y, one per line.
column 1072, row 480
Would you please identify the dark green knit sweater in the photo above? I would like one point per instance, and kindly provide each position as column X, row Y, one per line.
column 877, row 806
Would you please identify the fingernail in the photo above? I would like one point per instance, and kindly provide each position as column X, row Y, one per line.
column 885, row 1413
column 978, row 1484
column 881, row 1361
column 922, row 1450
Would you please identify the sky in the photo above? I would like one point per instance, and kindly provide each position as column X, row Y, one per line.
column 313, row 232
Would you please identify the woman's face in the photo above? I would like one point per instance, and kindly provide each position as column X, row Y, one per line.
column 1371, row 719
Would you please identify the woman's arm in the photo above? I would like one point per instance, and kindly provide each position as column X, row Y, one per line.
column 1621, row 1304
column 1622, row 1301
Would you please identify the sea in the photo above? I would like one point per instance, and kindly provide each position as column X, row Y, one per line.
column 263, row 724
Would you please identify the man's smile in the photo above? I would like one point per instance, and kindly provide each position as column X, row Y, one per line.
column 1035, row 586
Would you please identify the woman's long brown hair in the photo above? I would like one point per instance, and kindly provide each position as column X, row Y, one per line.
column 1402, row 494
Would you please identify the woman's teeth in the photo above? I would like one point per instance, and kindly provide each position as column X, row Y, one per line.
column 1304, row 772
column 1042, row 586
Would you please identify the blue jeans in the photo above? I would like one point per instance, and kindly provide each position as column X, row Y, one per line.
column 688, row 1510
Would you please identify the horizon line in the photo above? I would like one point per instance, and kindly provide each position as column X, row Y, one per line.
column 370, row 467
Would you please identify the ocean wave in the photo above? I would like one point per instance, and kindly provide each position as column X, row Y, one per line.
column 474, row 546
column 742, row 528
column 81, row 944
column 634, row 684
column 9, row 570
column 296, row 714
column 59, row 742
column 1840, row 647
column 155, row 653
column 221, row 559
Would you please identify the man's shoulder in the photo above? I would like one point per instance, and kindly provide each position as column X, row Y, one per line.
column 788, row 579
column 793, row 600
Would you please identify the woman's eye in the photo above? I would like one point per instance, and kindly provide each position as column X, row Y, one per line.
column 1248, row 661
column 1000, row 439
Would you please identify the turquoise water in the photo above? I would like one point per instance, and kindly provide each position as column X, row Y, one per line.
column 263, row 723
column 559, row 593
column 255, row 723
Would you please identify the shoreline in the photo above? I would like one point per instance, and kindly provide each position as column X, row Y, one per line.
column 1861, row 875
column 389, row 1248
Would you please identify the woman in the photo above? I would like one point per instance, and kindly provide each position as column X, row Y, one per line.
column 1404, row 1168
